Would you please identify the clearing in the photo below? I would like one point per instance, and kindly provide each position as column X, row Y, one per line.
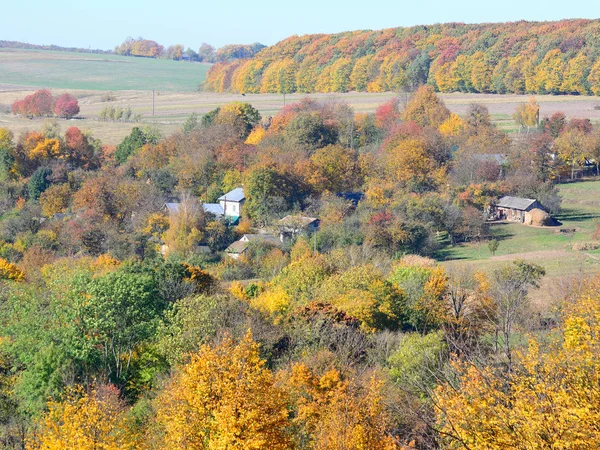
column 546, row 246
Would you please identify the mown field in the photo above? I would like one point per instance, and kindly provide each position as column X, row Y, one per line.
column 65, row 70
column 547, row 246
column 173, row 107
column 131, row 81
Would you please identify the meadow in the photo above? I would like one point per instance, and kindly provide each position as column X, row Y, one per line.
column 548, row 246
column 88, row 71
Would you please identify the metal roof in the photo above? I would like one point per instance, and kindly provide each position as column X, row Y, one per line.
column 518, row 203
column 296, row 220
column 213, row 208
column 236, row 195
column 172, row 207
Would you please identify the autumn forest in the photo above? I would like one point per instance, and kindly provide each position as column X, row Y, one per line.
column 315, row 278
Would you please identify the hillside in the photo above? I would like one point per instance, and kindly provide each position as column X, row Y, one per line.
column 520, row 57
column 71, row 70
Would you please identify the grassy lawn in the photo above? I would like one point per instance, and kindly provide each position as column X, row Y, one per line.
column 545, row 246
column 65, row 70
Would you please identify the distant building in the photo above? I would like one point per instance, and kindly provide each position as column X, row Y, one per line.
column 232, row 203
column 238, row 248
column 293, row 225
column 514, row 209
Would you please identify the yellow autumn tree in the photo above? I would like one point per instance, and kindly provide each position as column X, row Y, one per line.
column 48, row 148
column 551, row 398
column 481, row 72
column 549, row 77
column 85, row 421
column 359, row 78
column 339, row 414
column 453, row 126
column 528, row 114
column 55, row 199
column 9, row 271
column 256, row 135
column 594, row 78
column 575, row 76
column 224, row 398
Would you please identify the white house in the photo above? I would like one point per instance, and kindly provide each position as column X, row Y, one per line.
column 232, row 203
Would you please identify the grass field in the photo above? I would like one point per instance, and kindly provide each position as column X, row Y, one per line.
column 87, row 71
column 545, row 246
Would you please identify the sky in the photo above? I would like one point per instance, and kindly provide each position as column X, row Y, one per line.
column 106, row 23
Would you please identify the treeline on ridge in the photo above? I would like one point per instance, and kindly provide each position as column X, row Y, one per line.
column 522, row 57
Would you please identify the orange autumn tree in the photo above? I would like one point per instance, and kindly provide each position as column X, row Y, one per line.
column 551, row 398
column 337, row 414
column 85, row 421
column 225, row 398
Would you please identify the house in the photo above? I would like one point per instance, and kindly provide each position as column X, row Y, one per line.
column 214, row 208
column 238, row 248
column 294, row 225
column 171, row 207
column 232, row 203
column 515, row 209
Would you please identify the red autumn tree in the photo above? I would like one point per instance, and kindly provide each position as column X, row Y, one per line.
column 66, row 106
column 40, row 103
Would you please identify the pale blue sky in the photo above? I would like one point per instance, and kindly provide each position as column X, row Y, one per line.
column 105, row 23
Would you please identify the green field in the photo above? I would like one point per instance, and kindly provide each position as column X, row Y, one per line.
column 546, row 246
column 87, row 71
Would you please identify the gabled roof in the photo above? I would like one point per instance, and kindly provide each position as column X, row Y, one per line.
column 236, row 195
column 172, row 207
column 270, row 238
column 297, row 220
column 517, row 203
column 213, row 208
column 237, row 247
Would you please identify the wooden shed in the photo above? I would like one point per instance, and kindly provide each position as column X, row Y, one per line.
column 515, row 208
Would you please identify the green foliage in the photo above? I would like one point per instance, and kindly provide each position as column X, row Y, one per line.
column 130, row 145
column 418, row 359
column 39, row 182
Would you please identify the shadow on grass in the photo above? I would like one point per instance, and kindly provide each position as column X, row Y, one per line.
column 447, row 251
column 576, row 215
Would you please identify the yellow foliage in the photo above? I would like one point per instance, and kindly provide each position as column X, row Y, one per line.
column 55, row 199
column 9, row 271
column 256, row 136
column 341, row 415
column 453, row 126
column 84, row 422
column 550, row 399
column 48, row 148
column 225, row 398
column 104, row 264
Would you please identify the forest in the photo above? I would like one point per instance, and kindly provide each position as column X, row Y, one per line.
column 126, row 323
column 519, row 57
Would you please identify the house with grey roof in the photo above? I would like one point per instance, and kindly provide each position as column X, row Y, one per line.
column 514, row 209
column 238, row 248
column 232, row 203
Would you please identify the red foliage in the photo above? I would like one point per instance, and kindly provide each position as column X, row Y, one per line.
column 382, row 218
column 583, row 125
column 66, row 106
column 40, row 103
column 387, row 114
column 75, row 139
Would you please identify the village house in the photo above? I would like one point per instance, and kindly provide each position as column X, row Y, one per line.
column 229, row 206
column 523, row 210
column 238, row 248
column 293, row 225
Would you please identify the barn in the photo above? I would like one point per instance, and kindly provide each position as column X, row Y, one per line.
column 515, row 209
